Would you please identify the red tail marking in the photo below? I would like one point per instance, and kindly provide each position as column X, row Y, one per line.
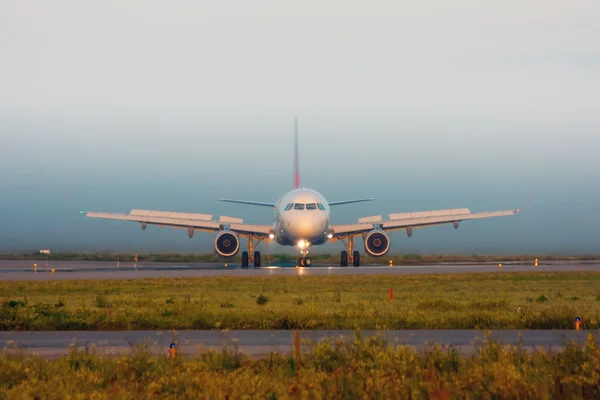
column 296, row 168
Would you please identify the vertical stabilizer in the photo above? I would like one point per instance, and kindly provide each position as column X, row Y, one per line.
column 296, row 170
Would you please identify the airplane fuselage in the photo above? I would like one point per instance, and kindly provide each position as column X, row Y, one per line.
column 302, row 218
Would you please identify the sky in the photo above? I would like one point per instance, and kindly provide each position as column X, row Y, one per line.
column 110, row 105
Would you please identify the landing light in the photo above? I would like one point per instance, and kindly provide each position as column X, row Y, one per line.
column 302, row 244
column 329, row 236
column 271, row 236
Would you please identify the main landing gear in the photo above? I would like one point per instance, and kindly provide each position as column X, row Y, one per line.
column 251, row 256
column 349, row 255
column 246, row 259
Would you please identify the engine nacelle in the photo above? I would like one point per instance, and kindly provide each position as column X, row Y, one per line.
column 377, row 243
column 227, row 244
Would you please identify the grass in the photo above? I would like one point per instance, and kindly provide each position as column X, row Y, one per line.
column 358, row 368
column 515, row 300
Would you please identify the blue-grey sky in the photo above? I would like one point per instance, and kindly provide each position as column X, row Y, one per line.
column 111, row 105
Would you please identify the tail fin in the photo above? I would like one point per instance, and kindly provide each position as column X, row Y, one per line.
column 296, row 169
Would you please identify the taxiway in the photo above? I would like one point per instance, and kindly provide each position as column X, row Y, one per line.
column 67, row 270
column 261, row 343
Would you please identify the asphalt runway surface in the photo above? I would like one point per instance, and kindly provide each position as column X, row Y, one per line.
column 256, row 343
column 66, row 270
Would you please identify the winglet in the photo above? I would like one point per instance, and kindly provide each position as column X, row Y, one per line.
column 296, row 169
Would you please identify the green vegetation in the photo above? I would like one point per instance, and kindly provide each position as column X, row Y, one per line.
column 397, row 259
column 359, row 368
column 515, row 300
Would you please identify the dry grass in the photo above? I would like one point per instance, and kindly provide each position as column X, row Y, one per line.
column 359, row 368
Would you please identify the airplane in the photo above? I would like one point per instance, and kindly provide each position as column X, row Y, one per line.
column 302, row 218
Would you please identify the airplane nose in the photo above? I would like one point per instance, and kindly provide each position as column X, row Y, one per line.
column 311, row 227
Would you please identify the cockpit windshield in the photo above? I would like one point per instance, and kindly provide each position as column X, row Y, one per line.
column 301, row 206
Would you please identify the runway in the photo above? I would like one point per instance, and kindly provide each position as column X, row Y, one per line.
column 67, row 270
column 261, row 343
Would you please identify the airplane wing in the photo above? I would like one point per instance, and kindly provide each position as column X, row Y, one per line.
column 201, row 222
column 252, row 203
column 339, row 203
column 408, row 221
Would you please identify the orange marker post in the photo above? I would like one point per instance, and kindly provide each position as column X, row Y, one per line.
column 535, row 263
column 297, row 348
column 172, row 350
column 577, row 323
column 391, row 294
column 52, row 270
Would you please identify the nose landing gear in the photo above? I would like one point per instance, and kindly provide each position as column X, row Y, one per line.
column 305, row 261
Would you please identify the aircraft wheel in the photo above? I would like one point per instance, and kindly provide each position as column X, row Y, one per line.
column 344, row 259
column 307, row 261
column 257, row 259
column 244, row 259
column 356, row 256
column 301, row 262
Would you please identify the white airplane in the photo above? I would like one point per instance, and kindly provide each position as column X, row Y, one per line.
column 302, row 218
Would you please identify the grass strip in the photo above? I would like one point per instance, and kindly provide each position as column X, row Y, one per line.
column 515, row 300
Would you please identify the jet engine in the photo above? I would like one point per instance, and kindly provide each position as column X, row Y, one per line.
column 377, row 243
column 227, row 244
